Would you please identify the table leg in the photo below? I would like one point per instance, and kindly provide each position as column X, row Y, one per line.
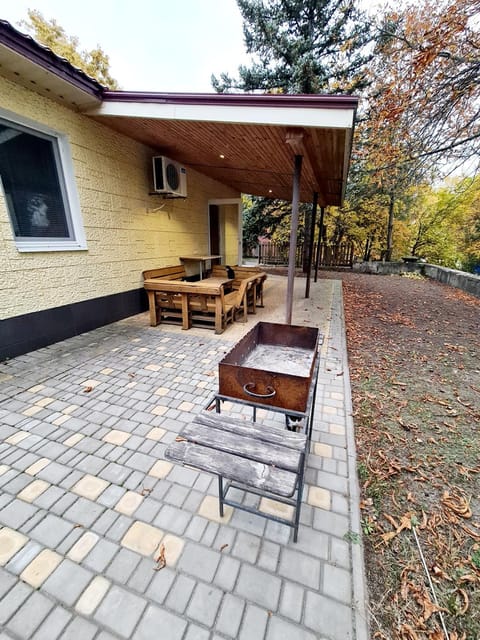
column 186, row 324
column 218, row 315
column 152, row 308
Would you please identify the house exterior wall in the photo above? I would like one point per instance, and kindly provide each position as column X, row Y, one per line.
column 231, row 233
column 125, row 235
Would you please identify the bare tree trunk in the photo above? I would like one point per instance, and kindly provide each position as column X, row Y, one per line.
column 389, row 249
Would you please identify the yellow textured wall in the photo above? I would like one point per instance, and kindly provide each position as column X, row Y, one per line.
column 124, row 235
column 231, row 233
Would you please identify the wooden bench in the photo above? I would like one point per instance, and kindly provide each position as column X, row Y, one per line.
column 266, row 461
column 165, row 305
column 253, row 274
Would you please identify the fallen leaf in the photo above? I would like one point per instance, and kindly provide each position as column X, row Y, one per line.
column 161, row 560
column 87, row 389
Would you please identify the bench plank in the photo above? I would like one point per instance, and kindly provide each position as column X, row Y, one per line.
column 248, row 472
column 273, row 435
column 247, row 446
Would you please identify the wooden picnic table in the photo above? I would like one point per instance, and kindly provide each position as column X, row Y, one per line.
column 201, row 290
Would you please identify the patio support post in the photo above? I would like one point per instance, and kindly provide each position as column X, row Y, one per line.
column 293, row 237
column 320, row 234
column 311, row 243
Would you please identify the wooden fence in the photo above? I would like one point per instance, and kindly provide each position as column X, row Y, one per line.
column 336, row 255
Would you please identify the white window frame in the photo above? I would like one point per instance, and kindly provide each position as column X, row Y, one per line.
column 78, row 241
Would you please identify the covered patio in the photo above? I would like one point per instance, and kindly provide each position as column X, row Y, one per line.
column 88, row 499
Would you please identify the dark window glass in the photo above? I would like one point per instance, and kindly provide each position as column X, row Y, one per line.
column 32, row 180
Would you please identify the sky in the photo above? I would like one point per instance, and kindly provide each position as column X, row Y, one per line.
column 153, row 45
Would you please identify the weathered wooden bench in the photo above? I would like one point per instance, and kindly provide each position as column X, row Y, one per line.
column 165, row 305
column 266, row 461
column 254, row 275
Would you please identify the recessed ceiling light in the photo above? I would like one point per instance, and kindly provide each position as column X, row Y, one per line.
column 269, row 191
column 222, row 156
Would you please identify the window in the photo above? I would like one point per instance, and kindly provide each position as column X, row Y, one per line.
column 37, row 178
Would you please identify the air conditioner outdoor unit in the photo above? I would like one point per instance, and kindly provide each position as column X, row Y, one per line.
column 169, row 177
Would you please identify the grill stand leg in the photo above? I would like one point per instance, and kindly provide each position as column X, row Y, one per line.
column 299, row 496
column 220, row 495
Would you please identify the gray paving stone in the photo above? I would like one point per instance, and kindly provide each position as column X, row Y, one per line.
column 30, row 615
column 115, row 473
column 120, row 610
column 321, row 614
column 339, row 553
column 254, row 624
column 49, row 497
column 172, row 519
column 172, row 626
column 332, row 523
column 199, row 561
column 79, row 628
column 63, row 503
column 92, row 464
column 17, row 513
column 67, row 582
column 210, row 534
column 259, row 586
column 300, row 567
column 278, row 628
column 176, row 495
column 84, row 512
column 142, row 576
column 100, row 556
column 13, row 600
column 195, row 632
column 246, row 547
column 204, row 604
column 53, row 625
column 135, row 481
column 123, row 565
column 53, row 472
column 230, row 615
column 7, row 582
column 119, row 527
column 51, row 530
column 291, row 601
column 105, row 522
column 227, row 573
column 180, row 593
column 337, row 583
column 160, row 585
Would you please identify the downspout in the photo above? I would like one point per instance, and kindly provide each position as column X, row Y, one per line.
column 311, row 243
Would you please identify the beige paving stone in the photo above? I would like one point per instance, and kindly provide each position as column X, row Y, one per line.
column 115, row 436
column 70, row 409
column 61, row 420
column 168, row 365
column 329, row 410
column 209, row 509
column 90, row 487
column 31, row 411
column 17, row 437
column 205, row 360
column 91, row 383
column 275, row 508
column 130, row 385
column 319, row 497
column 129, row 503
column 33, row 490
column 142, row 538
column 202, row 384
column 36, row 388
column 40, row 568
column 73, row 440
column 173, row 547
column 83, row 546
column 153, row 367
column 156, row 433
column 10, row 542
column 336, row 395
column 107, row 371
column 37, row 466
column 44, row 402
column 337, row 429
column 324, row 450
column 161, row 391
column 160, row 469
column 159, row 410
column 5, row 376
column 185, row 406
column 92, row 596
column 3, row 469
column 143, row 349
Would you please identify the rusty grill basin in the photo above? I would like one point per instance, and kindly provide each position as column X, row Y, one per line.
column 272, row 365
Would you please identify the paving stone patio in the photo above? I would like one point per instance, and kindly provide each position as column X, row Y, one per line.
column 89, row 507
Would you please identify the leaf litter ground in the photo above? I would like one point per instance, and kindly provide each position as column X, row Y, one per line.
column 414, row 356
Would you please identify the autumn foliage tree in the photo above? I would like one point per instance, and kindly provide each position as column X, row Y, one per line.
column 94, row 63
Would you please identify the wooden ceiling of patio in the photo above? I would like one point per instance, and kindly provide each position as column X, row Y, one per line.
column 257, row 159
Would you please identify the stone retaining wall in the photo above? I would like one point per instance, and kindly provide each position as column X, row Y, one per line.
column 460, row 279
